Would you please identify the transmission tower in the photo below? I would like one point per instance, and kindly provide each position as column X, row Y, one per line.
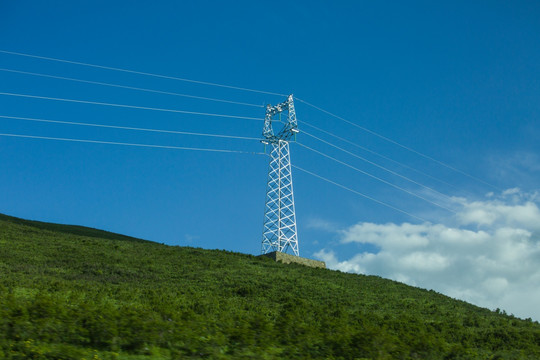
column 279, row 226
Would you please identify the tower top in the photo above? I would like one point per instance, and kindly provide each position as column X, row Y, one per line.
column 289, row 129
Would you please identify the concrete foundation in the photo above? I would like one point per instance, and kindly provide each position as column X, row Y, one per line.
column 287, row 259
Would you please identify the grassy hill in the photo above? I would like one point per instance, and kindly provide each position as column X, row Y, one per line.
column 70, row 292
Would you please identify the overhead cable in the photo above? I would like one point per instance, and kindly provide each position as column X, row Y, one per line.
column 129, row 128
column 141, row 73
column 377, row 154
column 359, row 193
column 375, row 164
column 133, row 144
column 376, row 178
column 129, row 87
column 399, row 144
column 131, row 106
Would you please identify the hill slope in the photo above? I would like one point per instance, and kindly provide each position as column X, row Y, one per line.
column 69, row 292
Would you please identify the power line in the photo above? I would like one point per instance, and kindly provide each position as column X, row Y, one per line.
column 141, row 73
column 399, row 144
column 376, row 178
column 376, row 165
column 132, row 144
column 129, row 87
column 257, row 91
column 128, row 128
column 210, row 150
column 130, row 106
column 359, row 193
column 377, row 154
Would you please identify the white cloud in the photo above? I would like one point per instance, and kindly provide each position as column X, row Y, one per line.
column 512, row 191
column 491, row 258
column 522, row 167
column 513, row 209
column 320, row 224
column 189, row 238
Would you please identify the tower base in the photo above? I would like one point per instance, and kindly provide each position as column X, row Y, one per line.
column 287, row 259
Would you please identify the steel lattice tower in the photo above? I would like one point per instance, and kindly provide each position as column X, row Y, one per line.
column 279, row 226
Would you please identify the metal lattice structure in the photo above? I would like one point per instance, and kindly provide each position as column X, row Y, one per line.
column 279, row 226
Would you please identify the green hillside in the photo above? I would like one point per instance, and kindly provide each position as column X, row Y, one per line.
column 69, row 292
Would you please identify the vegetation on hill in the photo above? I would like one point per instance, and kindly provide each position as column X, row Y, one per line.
column 69, row 292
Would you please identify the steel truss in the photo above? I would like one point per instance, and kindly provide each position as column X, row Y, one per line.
column 279, row 225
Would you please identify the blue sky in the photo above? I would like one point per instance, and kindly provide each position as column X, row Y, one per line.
column 455, row 81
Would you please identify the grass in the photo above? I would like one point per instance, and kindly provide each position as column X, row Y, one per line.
column 70, row 292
